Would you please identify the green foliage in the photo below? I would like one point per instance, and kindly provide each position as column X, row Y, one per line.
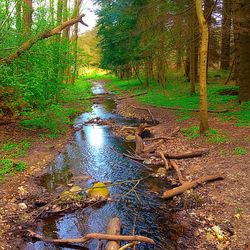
column 55, row 119
column 192, row 132
column 240, row 151
column 20, row 166
column 7, row 166
column 214, row 136
column 15, row 149
column 211, row 136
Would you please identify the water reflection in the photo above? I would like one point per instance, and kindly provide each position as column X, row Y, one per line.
column 94, row 136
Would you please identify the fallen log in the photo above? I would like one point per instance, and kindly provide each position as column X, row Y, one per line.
column 113, row 228
column 130, row 96
column 189, row 154
column 188, row 185
column 43, row 35
column 196, row 110
column 87, row 237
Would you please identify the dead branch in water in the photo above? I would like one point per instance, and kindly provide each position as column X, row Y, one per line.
column 130, row 96
column 96, row 236
column 113, row 228
column 188, row 185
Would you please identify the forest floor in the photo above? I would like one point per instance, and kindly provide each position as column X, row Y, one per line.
column 218, row 213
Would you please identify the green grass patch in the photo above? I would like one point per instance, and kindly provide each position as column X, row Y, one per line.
column 240, row 151
column 176, row 93
column 211, row 136
column 7, row 166
column 15, row 149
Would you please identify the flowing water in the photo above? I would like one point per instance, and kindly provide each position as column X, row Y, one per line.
column 91, row 153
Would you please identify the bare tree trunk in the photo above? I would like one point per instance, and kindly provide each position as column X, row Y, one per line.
column 244, row 17
column 27, row 17
column 203, row 67
column 225, row 35
column 18, row 17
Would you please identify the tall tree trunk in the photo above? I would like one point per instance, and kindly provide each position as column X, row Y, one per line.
column 77, row 5
column 27, row 17
column 52, row 12
column 192, row 52
column 203, row 67
column 225, row 35
column 18, row 17
column 236, row 50
column 244, row 17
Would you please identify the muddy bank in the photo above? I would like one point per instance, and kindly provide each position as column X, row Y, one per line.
column 223, row 205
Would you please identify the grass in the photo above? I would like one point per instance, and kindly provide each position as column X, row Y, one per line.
column 176, row 94
column 240, row 151
column 55, row 119
column 213, row 135
column 10, row 151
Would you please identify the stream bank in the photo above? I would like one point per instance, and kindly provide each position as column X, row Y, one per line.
column 180, row 224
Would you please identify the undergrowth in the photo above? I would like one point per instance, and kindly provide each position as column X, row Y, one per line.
column 213, row 135
column 54, row 119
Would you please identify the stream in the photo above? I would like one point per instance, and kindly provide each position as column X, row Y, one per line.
column 90, row 157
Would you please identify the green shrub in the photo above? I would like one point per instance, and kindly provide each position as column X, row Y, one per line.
column 15, row 149
column 192, row 132
column 20, row 166
column 214, row 136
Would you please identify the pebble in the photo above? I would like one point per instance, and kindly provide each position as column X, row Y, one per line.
column 23, row 206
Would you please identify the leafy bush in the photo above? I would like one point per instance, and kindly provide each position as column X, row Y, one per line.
column 15, row 149
column 55, row 119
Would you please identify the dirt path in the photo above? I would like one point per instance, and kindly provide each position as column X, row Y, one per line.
column 220, row 205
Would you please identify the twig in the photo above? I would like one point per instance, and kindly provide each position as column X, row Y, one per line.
column 150, row 113
column 133, row 244
column 177, row 169
column 130, row 96
column 87, row 237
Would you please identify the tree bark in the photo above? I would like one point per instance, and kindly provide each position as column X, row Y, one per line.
column 225, row 35
column 203, row 67
column 27, row 17
column 244, row 17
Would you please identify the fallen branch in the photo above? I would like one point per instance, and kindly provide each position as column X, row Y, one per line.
column 189, row 154
column 151, row 148
column 43, row 35
column 113, row 228
column 165, row 138
column 154, row 121
column 129, row 245
column 188, row 185
column 196, row 110
column 164, row 160
column 130, row 96
column 87, row 237
column 178, row 171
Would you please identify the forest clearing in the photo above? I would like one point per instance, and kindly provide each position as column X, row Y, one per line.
column 128, row 131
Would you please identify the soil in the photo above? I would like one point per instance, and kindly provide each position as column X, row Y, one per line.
column 223, row 203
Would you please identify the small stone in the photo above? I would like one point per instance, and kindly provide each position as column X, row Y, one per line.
column 23, row 206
